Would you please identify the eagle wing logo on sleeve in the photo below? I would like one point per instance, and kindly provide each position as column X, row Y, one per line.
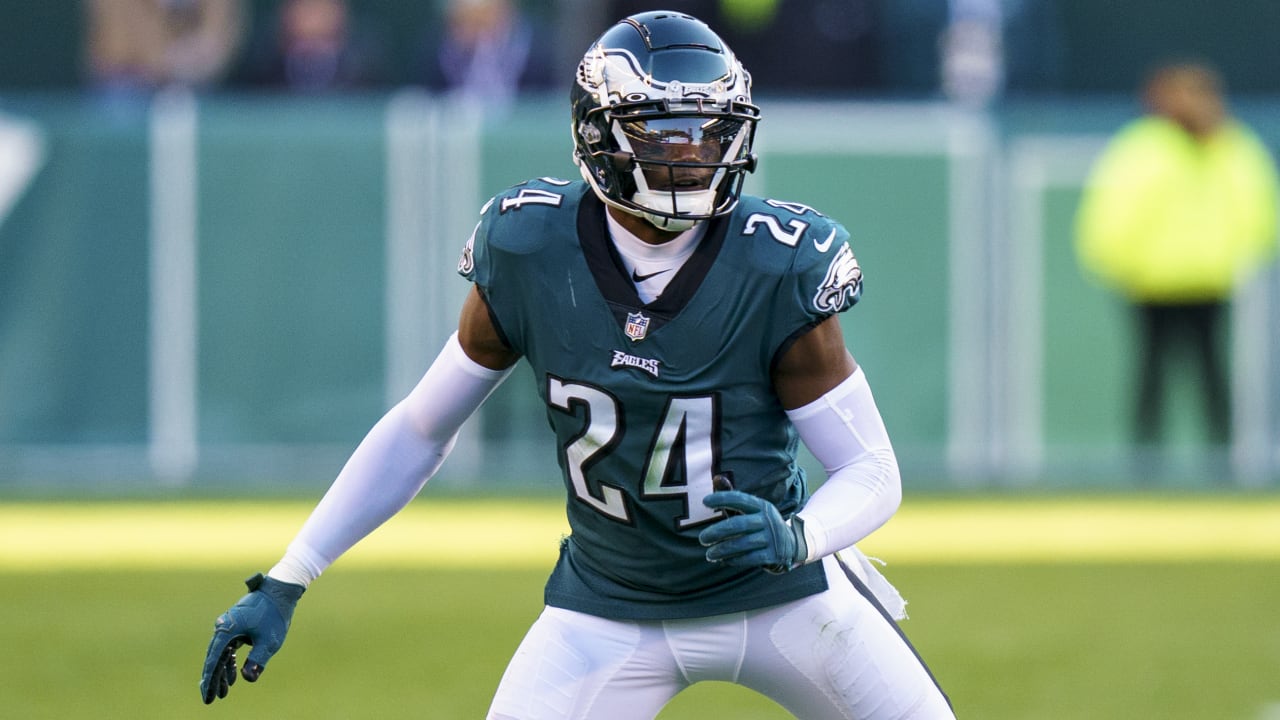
column 467, row 262
column 842, row 285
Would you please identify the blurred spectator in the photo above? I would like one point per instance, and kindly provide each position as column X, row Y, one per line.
column 1035, row 53
column 1177, row 211
column 488, row 52
column 806, row 47
column 796, row 47
column 136, row 46
column 972, row 52
column 910, row 57
column 994, row 47
column 316, row 46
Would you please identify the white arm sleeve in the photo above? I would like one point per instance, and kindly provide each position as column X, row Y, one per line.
column 844, row 431
column 392, row 464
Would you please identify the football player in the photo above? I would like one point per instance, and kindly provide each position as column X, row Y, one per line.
column 684, row 338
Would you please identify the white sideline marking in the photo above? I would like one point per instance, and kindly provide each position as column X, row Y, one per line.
column 526, row 534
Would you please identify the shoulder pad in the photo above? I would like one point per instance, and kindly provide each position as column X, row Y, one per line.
column 542, row 192
column 813, row 248
column 808, row 234
column 521, row 220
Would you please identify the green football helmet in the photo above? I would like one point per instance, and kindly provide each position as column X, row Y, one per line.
column 663, row 122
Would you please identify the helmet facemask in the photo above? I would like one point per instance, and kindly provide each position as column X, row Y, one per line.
column 683, row 165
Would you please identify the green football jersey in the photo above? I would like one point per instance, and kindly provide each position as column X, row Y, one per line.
column 649, row 402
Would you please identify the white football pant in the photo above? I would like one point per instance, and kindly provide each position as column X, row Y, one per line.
column 830, row 656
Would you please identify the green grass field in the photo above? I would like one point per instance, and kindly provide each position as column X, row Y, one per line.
column 1027, row 609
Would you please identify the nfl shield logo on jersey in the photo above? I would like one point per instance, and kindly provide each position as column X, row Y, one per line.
column 637, row 326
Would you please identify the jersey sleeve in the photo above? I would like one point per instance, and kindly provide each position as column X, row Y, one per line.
column 475, row 263
column 828, row 279
column 818, row 273
column 515, row 222
column 803, row 267
column 501, row 255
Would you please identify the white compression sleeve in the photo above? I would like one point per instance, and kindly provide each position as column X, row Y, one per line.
column 392, row 464
column 844, row 431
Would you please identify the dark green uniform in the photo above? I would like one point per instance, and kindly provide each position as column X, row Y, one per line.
column 649, row 402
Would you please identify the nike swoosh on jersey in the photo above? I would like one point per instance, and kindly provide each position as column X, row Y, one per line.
column 641, row 278
column 822, row 246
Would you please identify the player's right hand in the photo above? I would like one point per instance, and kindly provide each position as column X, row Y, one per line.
column 260, row 619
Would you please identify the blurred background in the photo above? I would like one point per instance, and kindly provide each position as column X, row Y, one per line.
column 228, row 230
column 228, row 239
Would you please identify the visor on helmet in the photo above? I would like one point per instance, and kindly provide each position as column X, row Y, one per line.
column 681, row 153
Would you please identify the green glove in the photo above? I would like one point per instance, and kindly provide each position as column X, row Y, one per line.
column 260, row 619
column 754, row 534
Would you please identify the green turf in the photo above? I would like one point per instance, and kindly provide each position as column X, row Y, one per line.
column 1025, row 642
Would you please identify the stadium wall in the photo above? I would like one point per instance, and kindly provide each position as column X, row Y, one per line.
column 229, row 290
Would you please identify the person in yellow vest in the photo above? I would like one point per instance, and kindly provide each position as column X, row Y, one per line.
column 1179, row 209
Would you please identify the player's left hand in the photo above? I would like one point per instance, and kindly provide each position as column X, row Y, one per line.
column 754, row 534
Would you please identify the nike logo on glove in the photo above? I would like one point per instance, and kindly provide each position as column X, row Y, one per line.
column 641, row 278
